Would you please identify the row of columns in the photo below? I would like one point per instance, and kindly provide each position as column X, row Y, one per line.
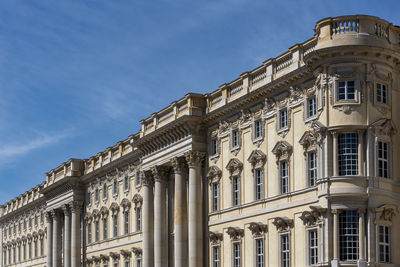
column 72, row 236
column 188, row 221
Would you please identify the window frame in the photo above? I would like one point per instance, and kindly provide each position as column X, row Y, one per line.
column 308, row 116
column 310, row 247
column 387, row 244
column 236, row 194
column 216, row 262
column 347, row 256
column 234, row 257
column 256, row 254
column 115, row 225
column 258, row 186
column 283, row 124
column 311, row 181
column 346, row 90
column 96, row 231
column 282, row 252
column 343, row 163
column 385, row 86
column 283, row 178
column 126, row 184
column 138, row 219
column 215, row 195
column 235, row 138
column 258, row 129
column 387, row 160
column 126, row 222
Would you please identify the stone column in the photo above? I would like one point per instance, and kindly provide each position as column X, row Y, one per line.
column 180, row 214
column 361, row 237
column 335, row 261
column 335, row 153
column 148, row 221
column 67, row 236
column 195, row 209
column 56, row 238
column 75, row 234
column 160, row 227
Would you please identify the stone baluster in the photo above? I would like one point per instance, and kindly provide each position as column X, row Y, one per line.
column 195, row 209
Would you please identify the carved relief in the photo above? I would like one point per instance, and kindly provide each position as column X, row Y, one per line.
column 283, row 224
column 194, row 158
column 282, row 150
column 234, row 167
column 257, row 228
column 137, row 251
column 138, row 201
column 215, row 237
column 235, row 233
column 311, row 217
column 104, row 212
column 125, row 204
column 384, row 127
column 114, row 208
column 257, row 159
column 214, row 174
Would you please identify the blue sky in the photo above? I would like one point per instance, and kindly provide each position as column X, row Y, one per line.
column 77, row 76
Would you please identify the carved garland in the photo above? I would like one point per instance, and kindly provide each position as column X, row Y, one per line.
column 215, row 237
column 235, row 233
column 257, row 228
column 283, row 224
column 312, row 217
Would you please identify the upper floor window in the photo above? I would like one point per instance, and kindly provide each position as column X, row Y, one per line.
column 126, row 183
column 96, row 195
column 284, row 177
column 384, row 244
column 381, row 93
column 259, row 260
column 283, row 118
column 285, row 250
column 105, row 191
column 348, row 235
column 346, row 90
column 139, row 263
column 312, row 168
column 105, row 228
column 115, row 187
column 215, row 196
column 258, row 131
column 138, row 179
column 215, row 256
column 96, row 231
column 89, row 198
column 138, row 219
column 237, row 262
column 89, row 233
column 115, row 225
column 311, row 107
column 126, row 222
column 235, row 138
column 259, row 182
column 214, row 147
column 383, row 159
column 235, row 190
column 348, row 154
column 126, row 263
column 313, row 246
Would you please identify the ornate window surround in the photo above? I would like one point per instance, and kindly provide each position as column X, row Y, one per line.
column 383, row 76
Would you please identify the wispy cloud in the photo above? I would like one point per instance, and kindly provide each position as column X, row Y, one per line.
column 23, row 147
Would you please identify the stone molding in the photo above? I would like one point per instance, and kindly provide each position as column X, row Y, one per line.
column 283, row 224
column 160, row 173
column 234, row 167
column 258, row 229
column 178, row 164
column 257, row 159
column 194, row 158
column 214, row 175
column 312, row 217
column 282, row 151
column 215, row 237
column 235, row 233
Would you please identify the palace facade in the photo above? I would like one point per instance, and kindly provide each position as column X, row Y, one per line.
column 291, row 164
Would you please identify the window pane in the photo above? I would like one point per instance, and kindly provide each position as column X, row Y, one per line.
column 348, row 233
column 348, row 154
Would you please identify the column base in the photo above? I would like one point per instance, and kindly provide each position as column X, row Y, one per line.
column 335, row 263
column 361, row 263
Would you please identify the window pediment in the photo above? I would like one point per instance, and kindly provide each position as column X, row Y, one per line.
column 235, row 232
column 215, row 237
column 257, row 159
column 234, row 166
column 311, row 217
column 214, row 174
column 104, row 212
column 386, row 212
column 257, row 228
column 125, row 204
column 283, row 224
column 137, row 200
column 114, row 208
column 282, row 150
column 96, row 214
column 385, row 127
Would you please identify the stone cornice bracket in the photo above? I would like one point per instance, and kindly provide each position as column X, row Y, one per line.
column 283, row 224
column 114, row 208
column 104, row 212
column 386, row 212
column 214, row 174
column 160, row 173
column 125, row 204
column 137, row 251
column 147, row 178
column 257, row 228
column 114, row 255
column 384, row 127
column 125, row 253
column 178, row 164
column 234, row 167
column 215, row 237
column 312, row 217
column 235, row 233
column 282, row 150
column 257, row 159
column 104, row 258
column 195, row 158
column 138, row 201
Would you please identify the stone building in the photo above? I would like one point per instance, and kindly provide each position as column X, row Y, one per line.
column 291, row 164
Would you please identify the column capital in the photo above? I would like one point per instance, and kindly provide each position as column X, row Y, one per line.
column 66, row 209
column 336, row 211
column 55, row 213
column 48, row 217
column 194, row 158
column 147, row 178
column 178, row 164
column 160, row 173
column 75, row 206
column 361, row 211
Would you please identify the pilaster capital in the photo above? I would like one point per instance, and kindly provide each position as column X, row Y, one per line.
column 147, row 178
column 178, row 164
column 194, row 158
column 160, row 173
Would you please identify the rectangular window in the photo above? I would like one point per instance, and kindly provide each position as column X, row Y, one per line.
column 257, row 129
column 41, row 247
column 105, row 228
column 313, row 247
column 215, row 259
column 89, row 233
column 139, row 263
column 259, row 252
column 236, row 255
column 384, row 244
column 115, row 187
column 115, row 264
column 348, row 235
column 383, row 159
column 346, row 90
column 96, row 195
column 348, row 154
column 115, row 225
column 126, row 183
column 214, row 147
column 126, row 222
column 283, row 119
column 285, row 250
column 29, row 250
column 258, row 180
column 381, row 93
column 284, row 177
column 312, row 168
column 235, row 191
column 127, row 264
column 138, row 219
column 105, row 191
column 215, row 196
column 138, row 179
column 312, row 107
column 235, row 138
column 35, row 251
column 96, row 231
